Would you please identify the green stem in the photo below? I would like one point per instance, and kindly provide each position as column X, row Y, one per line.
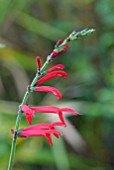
column 13, row 147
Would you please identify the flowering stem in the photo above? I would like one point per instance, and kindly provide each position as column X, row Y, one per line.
column 57, row 50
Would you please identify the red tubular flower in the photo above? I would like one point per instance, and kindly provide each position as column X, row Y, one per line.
column 52, row 75
column 38, row 61
column 69, row 110
column 29, row 112
column 56, row 67
column 39, row 130
column 50, row 90
column 56, row 53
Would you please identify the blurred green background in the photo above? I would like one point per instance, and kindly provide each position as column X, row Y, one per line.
column 29, row 28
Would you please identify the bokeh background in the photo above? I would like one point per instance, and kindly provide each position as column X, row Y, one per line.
column 29, row 28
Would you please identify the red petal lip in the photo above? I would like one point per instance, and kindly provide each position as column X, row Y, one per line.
column 38, row 61
column 52, row 75
column 29, row 118
column 50, row 90
column 56, row 67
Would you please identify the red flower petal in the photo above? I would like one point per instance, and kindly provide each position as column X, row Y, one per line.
column 38, row 62
column 43, row 126
column 50, row 90
column 29, row 113
column 29, row 118
column 68, row 110
column 48, row 137
column 60, row 114
column 46, row 109
column 56, row 67
column 52, row 75
column 33, row 132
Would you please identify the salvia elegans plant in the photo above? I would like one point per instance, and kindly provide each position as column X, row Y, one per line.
column 43, row 75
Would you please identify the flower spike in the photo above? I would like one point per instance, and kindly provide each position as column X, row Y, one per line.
column 43, row 75
column 52, row 75
column 50, row 90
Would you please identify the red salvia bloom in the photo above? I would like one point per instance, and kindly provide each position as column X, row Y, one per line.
column 56, row 67
column 39, row 130
column 52, row 75
column 50, row 90
column 56, row 53
column 38, row 61
column 29, row 112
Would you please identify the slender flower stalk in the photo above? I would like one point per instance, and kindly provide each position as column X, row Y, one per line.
column 56, row 71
